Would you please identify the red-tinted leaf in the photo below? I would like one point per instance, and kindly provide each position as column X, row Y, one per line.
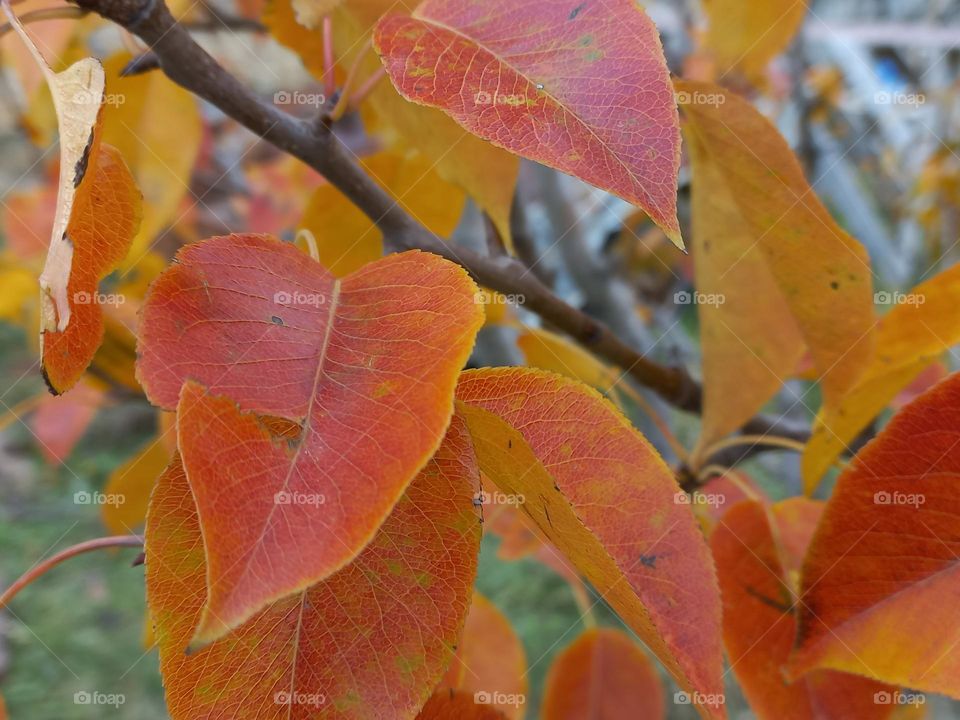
column 757, row 556
column 490, row 662
column 367, row 364
column 453, row 705
column 881, row 581
column 579, row 86
column 603, row 675
column 409, row 589
column 600, row 493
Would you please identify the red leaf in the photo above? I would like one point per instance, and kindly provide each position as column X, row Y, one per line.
column 603, row 675
column 757, row 557
column 600, row 493
column 581, row 87
column 367, row 364
column 302, row 657
column 880, row 581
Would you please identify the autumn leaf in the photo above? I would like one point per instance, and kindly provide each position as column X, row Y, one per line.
column 540, row 81
column 920, row 327
column 603, row 675
column 310, row 13
column 490, row 660
column 97, row 214
column 347, row 239
column 486, row 173
column 300, row 656
column 760, row 232
column 453, row 705
column 600, row 492
column 758, row 554
column 879, row 581
column 746, row 36
column 367, row 364
column 59, row 423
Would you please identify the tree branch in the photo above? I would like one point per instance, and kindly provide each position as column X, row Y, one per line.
column 190, row 66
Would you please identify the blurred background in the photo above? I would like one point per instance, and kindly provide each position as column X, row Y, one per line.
column 865, row 91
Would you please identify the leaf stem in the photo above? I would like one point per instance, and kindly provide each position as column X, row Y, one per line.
column 55, row 13
column 368, row 86
column 84, row 547
column 343, row 102
column 329, row 82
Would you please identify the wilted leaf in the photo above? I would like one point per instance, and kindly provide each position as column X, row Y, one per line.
column 603, row 675
column 347, row 239
column 757, row 556
column 922, row 325
column 486, row 173
column 301, row 657
column 880, row 583
column 600, row 492
column 540, row 80
column 367, row 364
column 452, row 705
column 490, row 661
column 746, row 36
column 156, row 126
column 762, row 233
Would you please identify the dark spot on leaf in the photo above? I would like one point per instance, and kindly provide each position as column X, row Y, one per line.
column 509, row 444
column 81, row 167
column 576, row 11
column 649, row 561
column 835, row 285
column 276, row 320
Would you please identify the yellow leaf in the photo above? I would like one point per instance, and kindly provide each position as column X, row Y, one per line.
column 549, row 351
column 818, row 276
column 347, row 239
column 922, row 325
column 310, row 13
column 156, row 126
column 130, row 486
column 745, row 36
column 19, row 290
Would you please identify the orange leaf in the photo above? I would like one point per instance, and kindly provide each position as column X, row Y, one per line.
column 746, row 36
column 880, row 580
column 761, row 232
column 757, row 557
column 103, row 221
column 302, row 656
column 452, row 705
column 131, row 484
column 599, row 491
column 540, row 80
column 59, row 423
column 603, row 675
column 490, row 662
column 367, row 364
